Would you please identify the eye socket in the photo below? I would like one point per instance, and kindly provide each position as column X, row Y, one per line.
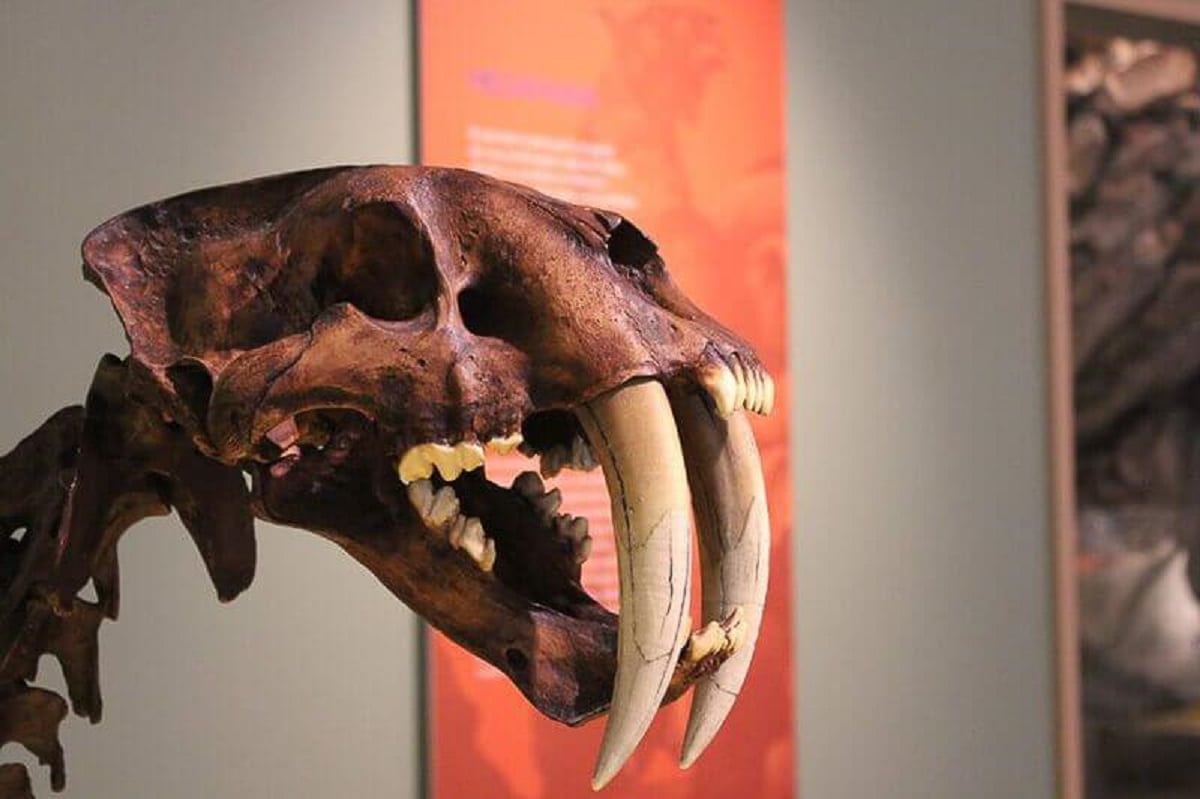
column 627, row 246
column 481, row 316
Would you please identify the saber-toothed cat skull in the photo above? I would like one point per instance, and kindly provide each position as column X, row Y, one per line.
column 360, row 340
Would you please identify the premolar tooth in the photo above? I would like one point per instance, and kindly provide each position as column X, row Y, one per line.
column 577, row 529
column 444, row 507
column 472, row 540
column 721, row 385
column 583, row 551
column 529, row 484
column 420, row 494
column 552, row 461
column 507, row 444
column 548, row 503
column 581, row 455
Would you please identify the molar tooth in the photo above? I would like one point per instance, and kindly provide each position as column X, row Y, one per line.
column 420, row 494
column 721, row 385
column 470, row 456
column 529, row 484
column 473, row 541
column 444, row 507
column 457, row 530
column 507, row 444
column 414, row 465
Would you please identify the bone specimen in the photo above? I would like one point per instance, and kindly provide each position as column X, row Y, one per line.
column 359, row 341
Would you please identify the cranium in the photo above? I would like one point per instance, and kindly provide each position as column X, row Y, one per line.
column 359, row 341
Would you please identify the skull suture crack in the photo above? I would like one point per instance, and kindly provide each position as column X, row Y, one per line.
column 357, row 340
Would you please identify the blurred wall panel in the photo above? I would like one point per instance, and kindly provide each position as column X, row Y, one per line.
column 923, row 548
column 306, row 685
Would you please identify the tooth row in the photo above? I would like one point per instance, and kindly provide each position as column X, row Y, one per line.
column 450, row 460
column 739, row 386
column 577, row 456
column 440, row 511
column 573, row 529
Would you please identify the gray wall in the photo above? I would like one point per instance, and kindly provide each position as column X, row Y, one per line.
column 306, row 685
column 922, row 542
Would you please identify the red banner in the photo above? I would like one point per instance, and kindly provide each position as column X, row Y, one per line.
column 671, row 114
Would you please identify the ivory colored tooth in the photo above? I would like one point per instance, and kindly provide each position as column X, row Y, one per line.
column 444, row 507
column 506, row 444
column 739, row 376
column 768, row 403
column 414, row 465
column 488, row 560
column 458, row 529
column 549, row 503
column 420, row 494
column 753, row 389
column 470, row 455
column 734, row 532
column 720, row 384
column 633, row 435
column 529, row 484
column 474, row 542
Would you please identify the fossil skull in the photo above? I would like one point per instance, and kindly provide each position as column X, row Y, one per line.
column 362, row 340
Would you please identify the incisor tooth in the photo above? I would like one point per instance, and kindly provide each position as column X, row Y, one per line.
column 720, row 384
column 751, row 388
column 768, row 403
column 739, row 376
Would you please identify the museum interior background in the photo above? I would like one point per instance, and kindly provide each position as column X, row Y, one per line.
column 923, row 602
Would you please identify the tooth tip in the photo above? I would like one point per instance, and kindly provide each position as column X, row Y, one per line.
column 605, row 771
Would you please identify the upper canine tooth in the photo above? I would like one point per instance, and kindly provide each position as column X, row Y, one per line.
column 634, row 437
column 507, row 444
column 721, row 385
column 529, row 484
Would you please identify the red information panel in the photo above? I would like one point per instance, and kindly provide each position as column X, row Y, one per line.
column 671, row 114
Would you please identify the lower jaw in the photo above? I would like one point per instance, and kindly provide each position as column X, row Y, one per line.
column 529, row 617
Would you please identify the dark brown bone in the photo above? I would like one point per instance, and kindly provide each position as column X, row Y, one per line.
column 442, row 304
